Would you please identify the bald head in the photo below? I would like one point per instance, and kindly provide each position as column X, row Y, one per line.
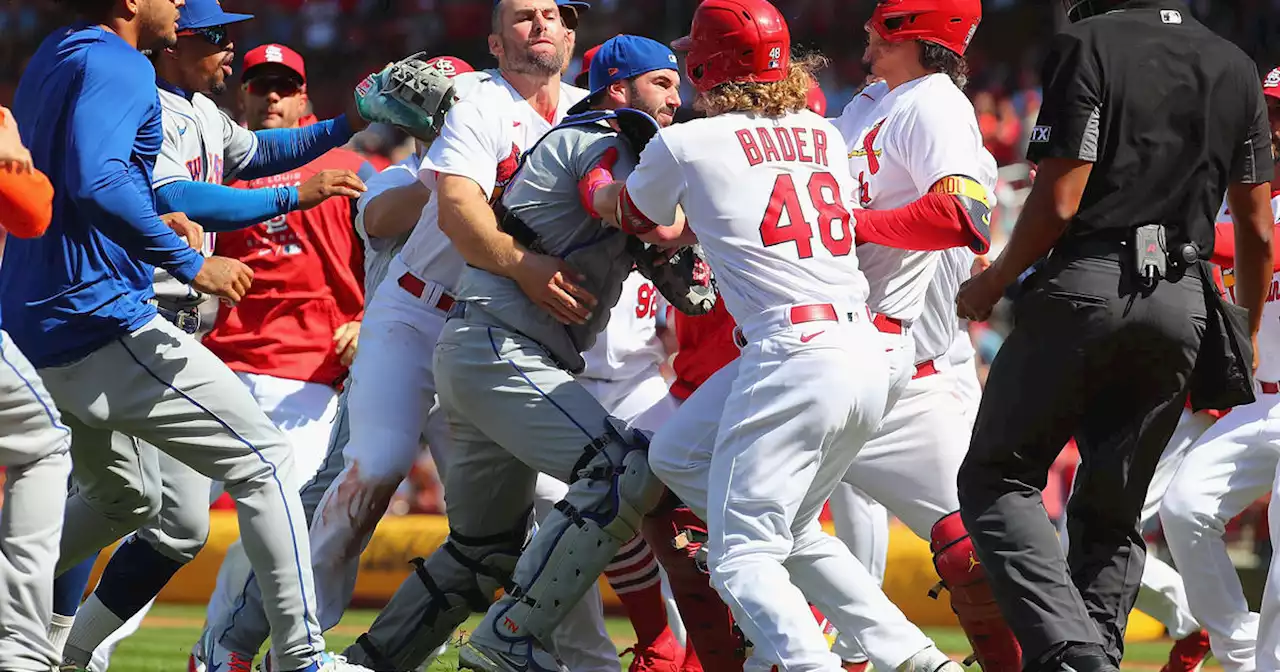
column 529, row 37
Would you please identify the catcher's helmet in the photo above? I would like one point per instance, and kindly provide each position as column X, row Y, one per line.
column 1083, row 9
column 949, row 23
column 736, row 41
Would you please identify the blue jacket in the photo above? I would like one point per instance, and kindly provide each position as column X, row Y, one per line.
column 87, row 109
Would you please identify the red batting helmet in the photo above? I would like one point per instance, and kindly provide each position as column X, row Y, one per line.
column 949, row 23
column 736, row 41
column 817, row 101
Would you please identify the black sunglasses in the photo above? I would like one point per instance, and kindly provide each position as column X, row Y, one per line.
column 218, row 36
column 283, row 85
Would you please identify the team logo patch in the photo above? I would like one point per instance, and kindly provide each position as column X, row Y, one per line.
column 274, row 54
column 1041, row 133
column 867, row 148
column 365, row 86
column 1172, row 16
column 1273, row 79
column 969, row 38
column 446, row 67
column 613, row 71
column 671, row 57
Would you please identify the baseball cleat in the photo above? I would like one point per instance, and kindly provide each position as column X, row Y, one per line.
column 521, row 656
column 1188, row 653
column 930, row 660
column 662, row 655
column 222, row 660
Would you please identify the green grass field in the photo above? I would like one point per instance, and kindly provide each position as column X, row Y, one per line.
column 169, row 631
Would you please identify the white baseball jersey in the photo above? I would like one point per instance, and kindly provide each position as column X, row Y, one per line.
column 938, row 327
column 378, row 252
column 1269, row 333
column 754, row 190
column 629, row 345
column 483, row 138
column 900, row 143
column 201, row 144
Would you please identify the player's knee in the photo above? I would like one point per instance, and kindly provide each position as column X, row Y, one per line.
column 131, row 507
column 635, row 490
column 1181, row 516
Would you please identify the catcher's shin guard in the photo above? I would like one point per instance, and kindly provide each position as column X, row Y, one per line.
column 461, row 577
column 677, row 537
column 994, row 646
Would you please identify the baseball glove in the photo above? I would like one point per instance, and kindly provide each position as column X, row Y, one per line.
column 411, row 94
column 681, row 275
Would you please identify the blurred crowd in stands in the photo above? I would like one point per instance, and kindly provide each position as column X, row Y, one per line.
column 343, row 40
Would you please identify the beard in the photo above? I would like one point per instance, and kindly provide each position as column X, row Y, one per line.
column 652, row 110
column 527, row 62
column 218, row 88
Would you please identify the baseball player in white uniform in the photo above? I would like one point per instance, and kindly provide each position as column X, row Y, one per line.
column 34, row 443
column 1233, row 464
column 383, row 235
column 760, row 446
column 392, row 384
column 906, row 142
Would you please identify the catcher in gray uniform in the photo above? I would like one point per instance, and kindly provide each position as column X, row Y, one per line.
column 501, row 356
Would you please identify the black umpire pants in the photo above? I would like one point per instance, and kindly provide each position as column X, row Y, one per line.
column 1096, row 356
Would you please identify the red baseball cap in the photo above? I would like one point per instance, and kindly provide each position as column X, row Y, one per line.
column 451, row 66
column 1271, row 84
column 582, row 79
column 277, row 54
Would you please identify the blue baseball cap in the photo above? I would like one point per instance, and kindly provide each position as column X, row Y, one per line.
column 623, row 57
column 206, row 13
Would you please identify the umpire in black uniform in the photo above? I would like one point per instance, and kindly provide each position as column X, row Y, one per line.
column 1148, row 118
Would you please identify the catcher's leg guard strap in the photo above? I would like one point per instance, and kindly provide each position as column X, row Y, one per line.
column 611, row 491
column 994, row 645
column 459, row 578
column 677, row 537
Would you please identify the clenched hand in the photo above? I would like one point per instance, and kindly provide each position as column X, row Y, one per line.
column 552, row 284
column 192, row 232
column 345, row 341
column 225, row 278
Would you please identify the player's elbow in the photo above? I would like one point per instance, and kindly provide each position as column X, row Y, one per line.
column 27, row 199
column 664, row 236
column 395, row 211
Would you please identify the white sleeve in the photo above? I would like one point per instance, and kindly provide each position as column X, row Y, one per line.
column 937, row 142
column 239, row 146
column 470, row 145
column 657, row 185
column 398, row 175
column 171, row 165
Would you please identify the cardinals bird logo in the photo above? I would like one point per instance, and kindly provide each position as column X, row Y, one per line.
column 868, row 148
column 506, row 172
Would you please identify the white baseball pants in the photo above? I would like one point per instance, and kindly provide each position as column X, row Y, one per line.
column 756, row 451
column 1232, row 465
column 34, row 448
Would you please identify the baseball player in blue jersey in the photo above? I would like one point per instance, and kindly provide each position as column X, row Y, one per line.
column 81, row 301
column 33, row 444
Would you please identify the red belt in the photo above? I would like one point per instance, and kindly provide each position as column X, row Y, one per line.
column 1270, row 388
column 813, row 312
column 886, row 324
column 925, row 369
column 417, row 287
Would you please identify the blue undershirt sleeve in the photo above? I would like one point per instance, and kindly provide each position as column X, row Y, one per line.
column 218, row 208
column 284, row 149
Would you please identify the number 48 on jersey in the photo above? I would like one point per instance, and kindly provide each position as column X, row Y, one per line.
column 787, row 203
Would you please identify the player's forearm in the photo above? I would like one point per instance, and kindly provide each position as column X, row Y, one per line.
column 932, row 222
column 218, row 208
column 284, row 149
column 466, row 218
column 26, row 200
column 130, row 220
column 1251, row 208
column 395, row 211
column 605, row 200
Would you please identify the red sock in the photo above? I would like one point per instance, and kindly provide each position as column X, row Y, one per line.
column 633, row 575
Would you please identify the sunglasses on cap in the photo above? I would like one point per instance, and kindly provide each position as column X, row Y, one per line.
column 282, row 85
column 218, row 36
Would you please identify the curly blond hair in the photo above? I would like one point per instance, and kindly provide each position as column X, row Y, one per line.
column 770, row 100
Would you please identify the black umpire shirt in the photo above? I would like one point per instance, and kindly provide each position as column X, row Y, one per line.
column 1193, row 120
